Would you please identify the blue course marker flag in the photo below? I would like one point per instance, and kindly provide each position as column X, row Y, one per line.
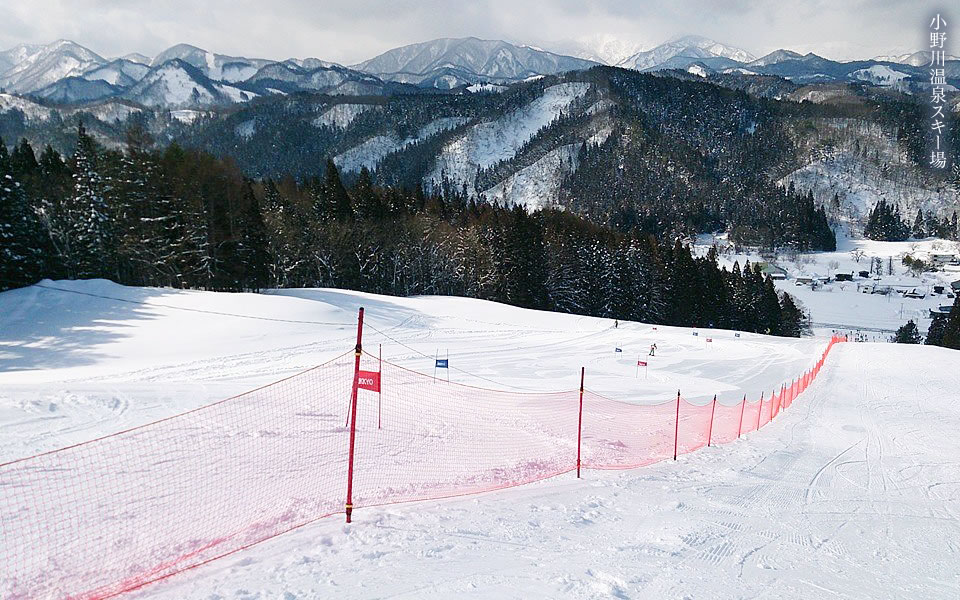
column 443, row 363
column 617, row 350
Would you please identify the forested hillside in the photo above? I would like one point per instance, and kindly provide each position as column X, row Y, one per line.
column 184, row 218
column 570, row 192
column 661, row 154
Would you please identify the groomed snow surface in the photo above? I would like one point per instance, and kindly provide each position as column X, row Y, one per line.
column 852, row 492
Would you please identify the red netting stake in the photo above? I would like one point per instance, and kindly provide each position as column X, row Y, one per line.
column 676, row 434
column 380, row 389
column 759, row 409
column 712, row 411
column 580, row 420
column 743, row 405
column 353, row 416
column 773, row 396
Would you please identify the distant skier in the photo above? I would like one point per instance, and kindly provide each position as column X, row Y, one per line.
column 616, row 323
column 653, row 350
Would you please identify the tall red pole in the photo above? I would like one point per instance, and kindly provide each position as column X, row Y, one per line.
column 580, row 420
column 743, row 405
column 712, row 411
column 353, row 416
column 676, row 434
column 773, row 396
column 380, row 389
column 759, row 408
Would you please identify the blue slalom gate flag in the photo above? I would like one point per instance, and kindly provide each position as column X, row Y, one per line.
column 736, row 335
column 443, row 363
column 696, row 334
column 617, row 350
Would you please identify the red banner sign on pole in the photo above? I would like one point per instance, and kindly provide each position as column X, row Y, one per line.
column 641, row 363
column 368, row 380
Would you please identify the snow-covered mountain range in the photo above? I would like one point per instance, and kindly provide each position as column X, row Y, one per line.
column 186, row 76
column 605, row 49
column 687, row 47
column 467, row 61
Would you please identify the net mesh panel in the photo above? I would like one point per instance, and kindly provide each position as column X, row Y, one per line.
column 438, row 439
column 726, row 422
column 110, row 515
column 113, row 514
column 619, row 435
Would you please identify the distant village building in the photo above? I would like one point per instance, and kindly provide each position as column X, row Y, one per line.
column 940, row 310
column 774, row 271
column 940, row 260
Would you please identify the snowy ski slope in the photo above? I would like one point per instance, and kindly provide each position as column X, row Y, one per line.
column 851, row 493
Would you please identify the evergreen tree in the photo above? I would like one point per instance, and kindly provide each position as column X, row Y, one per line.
column 951, row 332
column 937, row 328
column 333, row 201
column 884, row 223
column 793, row 322
column 907, row 334
column 770, row 317
column 254, row 253
column 88, row 227
column 21, row 235
column 919, row 226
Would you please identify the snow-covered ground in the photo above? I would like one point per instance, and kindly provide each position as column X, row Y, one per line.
column 848, row 305
column 490, row 142
column 850, row 493
column 538, row 185
column 859, row 179
column 373, row 150
column 341, row 115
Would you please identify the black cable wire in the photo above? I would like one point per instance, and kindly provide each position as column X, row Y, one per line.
column 302, row 322
column 415, row 351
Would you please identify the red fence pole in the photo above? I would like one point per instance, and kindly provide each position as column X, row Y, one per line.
column 742, row 406
column 712, row 411
column 380, row 389
column 580, row 421
column 759, row 409
column 773, row 396
column 353, row 416
column 676, row 434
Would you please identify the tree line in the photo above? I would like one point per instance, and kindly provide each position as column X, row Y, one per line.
column 184, row 218
column 944, row 330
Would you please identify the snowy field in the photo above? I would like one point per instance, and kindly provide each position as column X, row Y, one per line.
column 850, row 493
column 844, row 305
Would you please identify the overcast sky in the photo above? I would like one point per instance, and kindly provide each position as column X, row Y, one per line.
column 349, row 31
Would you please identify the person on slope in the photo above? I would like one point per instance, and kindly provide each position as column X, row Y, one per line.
column 653, row 350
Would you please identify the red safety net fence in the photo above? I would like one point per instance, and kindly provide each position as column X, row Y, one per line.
column 113, row 514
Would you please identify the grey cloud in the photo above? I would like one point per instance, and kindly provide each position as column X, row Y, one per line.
column 351, row 31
